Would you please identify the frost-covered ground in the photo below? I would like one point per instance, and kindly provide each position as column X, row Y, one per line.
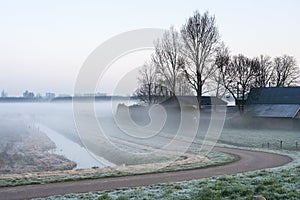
column 277, row 183
column 281, row 184
column 24, row 149
column 258, row 138
column 216, row 158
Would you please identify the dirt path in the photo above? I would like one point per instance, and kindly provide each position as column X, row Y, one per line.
column 249, row 161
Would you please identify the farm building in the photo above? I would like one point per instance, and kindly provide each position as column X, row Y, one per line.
column 192, row 100
column 274, row 102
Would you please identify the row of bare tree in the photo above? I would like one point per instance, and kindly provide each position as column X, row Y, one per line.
column 238, row 74
column 196, row 61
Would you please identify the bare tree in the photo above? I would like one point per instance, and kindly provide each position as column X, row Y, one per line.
column 183, row 87
column 147, row 81
column 168, row 60
column 286, row 72
column 265, row 73
column 201, row 39
column 222, row 59
column 238, row 76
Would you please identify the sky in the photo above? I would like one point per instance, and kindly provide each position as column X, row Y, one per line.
column 43, row 44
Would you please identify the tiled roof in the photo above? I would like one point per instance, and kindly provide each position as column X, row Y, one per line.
column 274, row 95
column 281, row 102
column 274, row 110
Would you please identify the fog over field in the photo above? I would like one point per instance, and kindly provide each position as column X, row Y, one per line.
column 43, row 129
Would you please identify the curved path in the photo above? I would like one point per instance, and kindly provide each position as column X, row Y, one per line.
column 249, row 161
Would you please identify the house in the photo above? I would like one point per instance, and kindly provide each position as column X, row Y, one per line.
column 192, row 101
column 274, row 102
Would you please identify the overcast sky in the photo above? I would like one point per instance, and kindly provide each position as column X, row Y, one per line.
column 44, row 43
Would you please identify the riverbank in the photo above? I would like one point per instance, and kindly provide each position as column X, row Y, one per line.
column 67, row 148
column 23, row 148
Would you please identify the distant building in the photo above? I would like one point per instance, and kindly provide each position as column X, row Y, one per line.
column 64, row 95
column 28, row 95
column 274, row 102
column 100, row 94
column 38, row 96
column 93, row 94
column 89, row 95
column 3, row 94
column 50, row 95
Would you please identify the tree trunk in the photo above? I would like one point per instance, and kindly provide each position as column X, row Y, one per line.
column 149, row 94
column 199, row 89
column 243, row 101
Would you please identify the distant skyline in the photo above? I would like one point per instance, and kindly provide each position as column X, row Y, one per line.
column 44, row 43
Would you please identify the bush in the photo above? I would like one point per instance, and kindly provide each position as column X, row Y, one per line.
column 105, row 196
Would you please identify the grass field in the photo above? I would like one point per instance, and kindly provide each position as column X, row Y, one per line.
column 259, row 138
column 279, row 183
column 216, row 158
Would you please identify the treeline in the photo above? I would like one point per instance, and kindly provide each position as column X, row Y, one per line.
column 195, row 61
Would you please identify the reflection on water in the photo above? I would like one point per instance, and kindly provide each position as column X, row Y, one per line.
column 72, row 150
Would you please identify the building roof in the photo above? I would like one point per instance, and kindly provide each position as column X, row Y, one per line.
column 274, row 110
column 281, row 102
column 274, row 95
column 192, row 100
